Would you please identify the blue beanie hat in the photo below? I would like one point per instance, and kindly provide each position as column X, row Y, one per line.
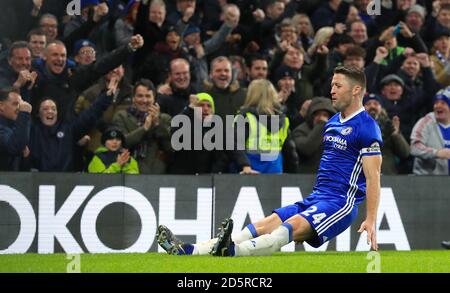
column 284, row 71
column 368, row 97
column 85, row 3
column 191, row 29
column 82, row 43
column 443, row 95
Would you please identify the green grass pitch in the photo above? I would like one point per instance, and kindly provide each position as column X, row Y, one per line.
column 391, row 262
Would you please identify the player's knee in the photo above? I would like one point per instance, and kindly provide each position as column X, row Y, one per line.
column 301, row 228
column 268, row 224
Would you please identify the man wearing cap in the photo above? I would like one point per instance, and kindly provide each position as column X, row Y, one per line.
column 430, row 138
column 94, row 25
column 308, row 136
column 84, row 52
column 410, row 30
column 415, row 18
column 398, row 101
column 394, row 143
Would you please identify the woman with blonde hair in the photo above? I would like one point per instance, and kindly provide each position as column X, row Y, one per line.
column 322, row 37
column 266, row 128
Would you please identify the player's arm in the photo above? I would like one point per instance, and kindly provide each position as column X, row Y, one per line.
column 372, row 170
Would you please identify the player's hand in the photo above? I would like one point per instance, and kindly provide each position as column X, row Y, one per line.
column 371, row 234
column 248, row 170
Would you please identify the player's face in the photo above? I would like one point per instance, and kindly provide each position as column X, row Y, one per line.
column 341, row 92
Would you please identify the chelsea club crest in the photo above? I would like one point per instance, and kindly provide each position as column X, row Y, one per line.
column 346, row 130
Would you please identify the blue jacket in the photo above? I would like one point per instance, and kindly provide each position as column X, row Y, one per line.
column 14, row 136
column 52, row 147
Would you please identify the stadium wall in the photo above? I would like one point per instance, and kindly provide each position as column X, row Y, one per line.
column 96, row 213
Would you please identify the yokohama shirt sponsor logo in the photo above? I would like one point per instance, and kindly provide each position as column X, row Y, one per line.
column 337, row 141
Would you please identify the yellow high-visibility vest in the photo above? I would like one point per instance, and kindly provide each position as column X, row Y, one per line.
column 261, row 140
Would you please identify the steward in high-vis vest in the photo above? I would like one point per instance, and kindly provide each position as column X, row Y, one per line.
column 265, row 138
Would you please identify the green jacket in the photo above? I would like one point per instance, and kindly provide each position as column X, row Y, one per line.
column 97, row 165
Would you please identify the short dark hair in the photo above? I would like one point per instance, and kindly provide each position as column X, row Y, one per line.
column 354, row 74
column 145, row 83
column 355, row 51
column 252, row 58
column 4, row 93
column 17, row 45
column 35, row 32
column 444, row 7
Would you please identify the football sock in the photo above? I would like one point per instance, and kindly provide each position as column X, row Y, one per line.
column 202, row 248
column 265, row 244
column 247, row 233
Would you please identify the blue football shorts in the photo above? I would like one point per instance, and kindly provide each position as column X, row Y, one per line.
column 328, row 217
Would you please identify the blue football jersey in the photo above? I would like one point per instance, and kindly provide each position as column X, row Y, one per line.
column 345, row 142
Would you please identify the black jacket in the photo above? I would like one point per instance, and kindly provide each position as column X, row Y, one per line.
column 52, row 148
column 176, row 102
column 190, row 161
column 64, row 88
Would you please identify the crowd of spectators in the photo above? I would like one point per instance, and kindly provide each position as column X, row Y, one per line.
column 98, row 91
